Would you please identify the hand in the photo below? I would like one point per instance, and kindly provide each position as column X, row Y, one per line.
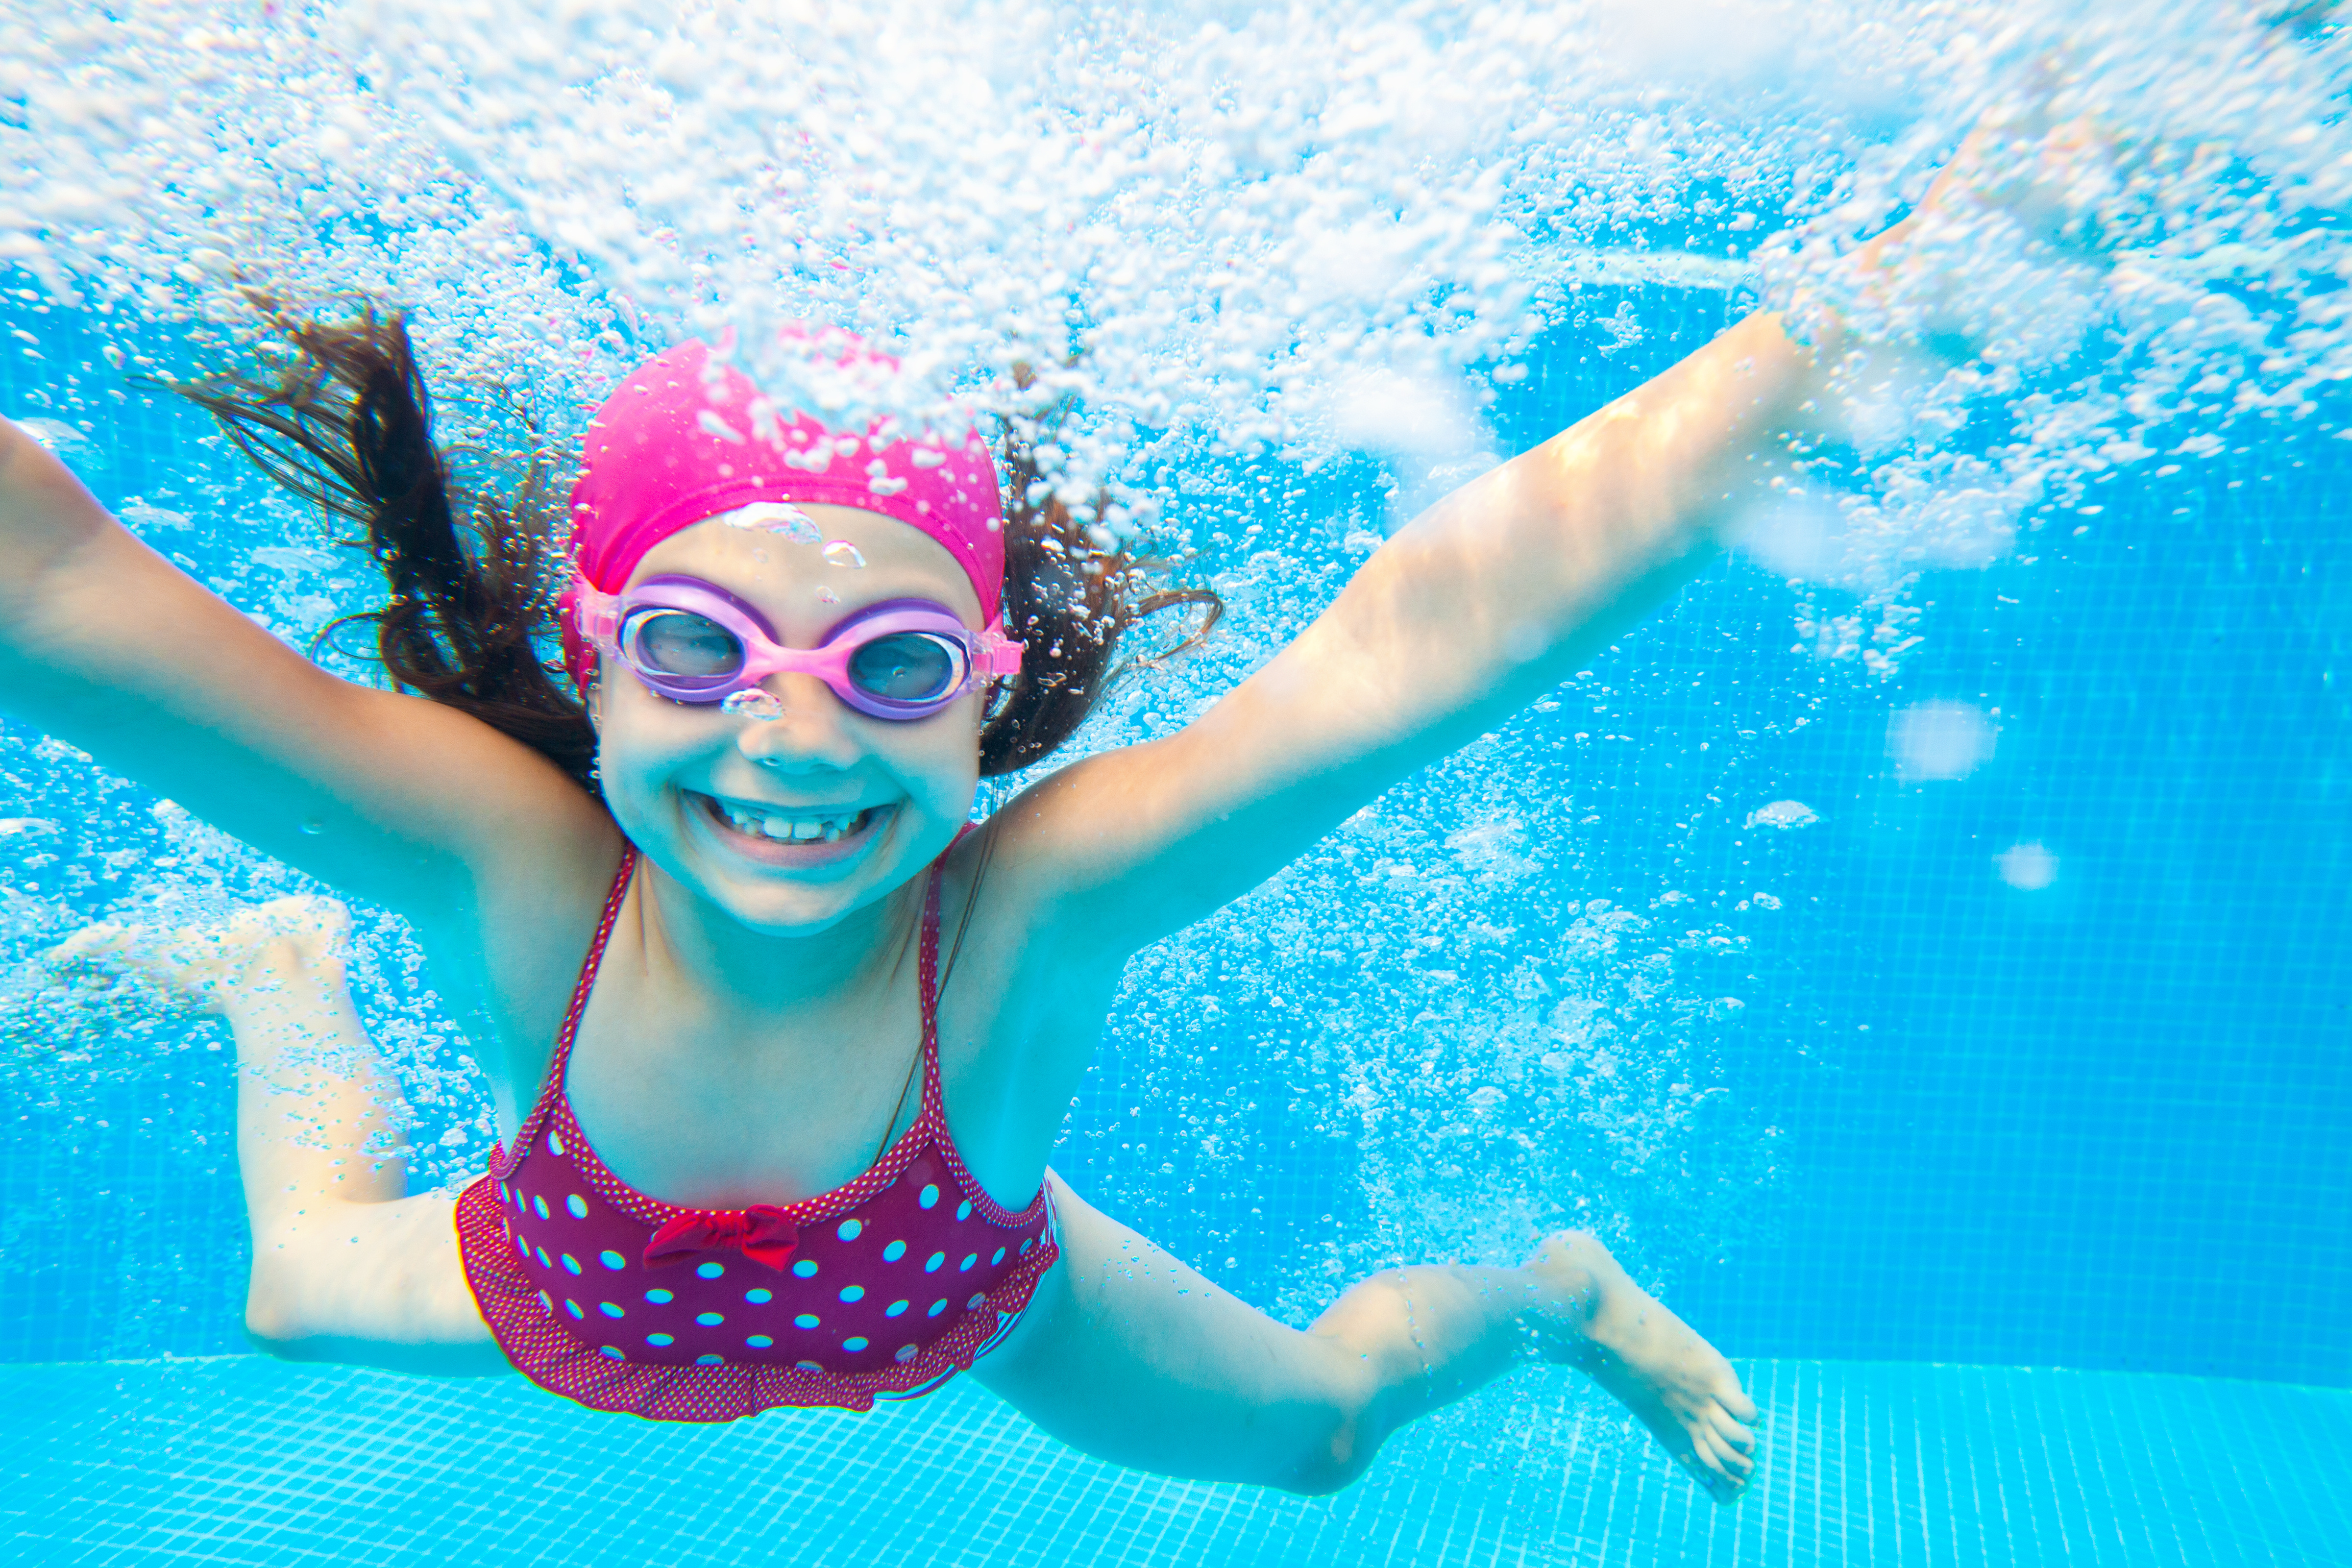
column 2020, row 170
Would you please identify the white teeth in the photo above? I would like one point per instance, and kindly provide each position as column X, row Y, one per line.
column 788, row 829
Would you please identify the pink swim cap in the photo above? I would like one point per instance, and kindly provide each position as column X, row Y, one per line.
column 685, row 438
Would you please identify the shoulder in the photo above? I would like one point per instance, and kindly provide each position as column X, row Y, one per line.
column 1008, row 926
column 512, row 949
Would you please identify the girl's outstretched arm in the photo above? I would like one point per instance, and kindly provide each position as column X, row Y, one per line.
column 1482, row 604
column 394, row 798
column 1485, row 601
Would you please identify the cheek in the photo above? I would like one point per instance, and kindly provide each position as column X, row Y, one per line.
column 938, row 762
column 637, row 747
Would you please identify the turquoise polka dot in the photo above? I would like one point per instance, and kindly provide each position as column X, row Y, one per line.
column 710, row 1270
column 963, row 1209
column 608, row 1309
column 759, row 1342
column 853, row 1292
column 611, row 1259
column 613, row 1350
column 708, row 1320
column 930, row 1196
column 893, row 1309
column 849, row 1229
column 759, row 1297
column 855, row 1344
column 937, row 1308
column 804, row 1269
column 895, row 1251
column 805, row 1321
column 710, row 1361
column 659, row 1340
column 932, row 1264
column 660, row 1298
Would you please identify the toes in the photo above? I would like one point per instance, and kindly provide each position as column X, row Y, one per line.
column 1723, row 1486
column 1721, row 1456
column 1733, row 1433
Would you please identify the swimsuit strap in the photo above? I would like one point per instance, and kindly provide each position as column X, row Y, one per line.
column 927, row 968
column 935, row 1105
column 551, row 1088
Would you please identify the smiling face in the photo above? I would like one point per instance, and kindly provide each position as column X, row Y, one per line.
column 791, row 824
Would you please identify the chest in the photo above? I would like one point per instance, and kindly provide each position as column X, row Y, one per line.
column 708, row 1110
column 702, row 1107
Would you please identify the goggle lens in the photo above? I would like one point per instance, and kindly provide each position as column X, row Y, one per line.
column 682, row 644
column 908, row 666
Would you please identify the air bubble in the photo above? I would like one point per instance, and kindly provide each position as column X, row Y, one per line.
column 841, row 552
column 774, row 517
column 752, row 703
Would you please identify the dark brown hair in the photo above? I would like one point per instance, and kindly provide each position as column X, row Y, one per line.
column 475, row 568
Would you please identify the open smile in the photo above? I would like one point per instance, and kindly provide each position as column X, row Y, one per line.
column 791, row 836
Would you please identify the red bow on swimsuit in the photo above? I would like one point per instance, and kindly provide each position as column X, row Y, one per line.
column 763, row 1233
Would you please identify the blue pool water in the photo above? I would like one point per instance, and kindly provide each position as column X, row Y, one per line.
column 1964, row 1047
column 2093, row 1126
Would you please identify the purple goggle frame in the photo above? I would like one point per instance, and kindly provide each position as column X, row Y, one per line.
column 941, row 661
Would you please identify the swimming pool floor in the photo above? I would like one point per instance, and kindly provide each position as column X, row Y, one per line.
column 244, row 1460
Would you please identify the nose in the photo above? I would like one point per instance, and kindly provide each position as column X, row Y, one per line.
column 807, row 735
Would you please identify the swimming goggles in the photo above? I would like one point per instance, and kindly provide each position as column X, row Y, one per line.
column 693, row 641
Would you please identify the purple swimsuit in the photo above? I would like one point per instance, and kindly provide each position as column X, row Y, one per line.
column 882, row 1289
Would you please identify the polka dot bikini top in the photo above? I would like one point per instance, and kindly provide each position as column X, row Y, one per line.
column 882, row 1289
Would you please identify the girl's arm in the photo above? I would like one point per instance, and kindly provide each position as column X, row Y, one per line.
column 394, row 798
column 1482, row 604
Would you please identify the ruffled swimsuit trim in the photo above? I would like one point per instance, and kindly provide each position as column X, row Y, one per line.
column 571, row 1266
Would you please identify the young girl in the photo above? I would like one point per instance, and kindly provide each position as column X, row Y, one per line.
column 779, row 1048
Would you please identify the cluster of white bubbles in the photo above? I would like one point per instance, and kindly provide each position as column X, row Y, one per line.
column 1169, row 235
column 1289, row 228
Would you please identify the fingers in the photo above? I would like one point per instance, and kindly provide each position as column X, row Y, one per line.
column 91, row 941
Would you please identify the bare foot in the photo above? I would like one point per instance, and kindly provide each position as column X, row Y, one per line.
column 1596, row 1318
column 202, row 968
